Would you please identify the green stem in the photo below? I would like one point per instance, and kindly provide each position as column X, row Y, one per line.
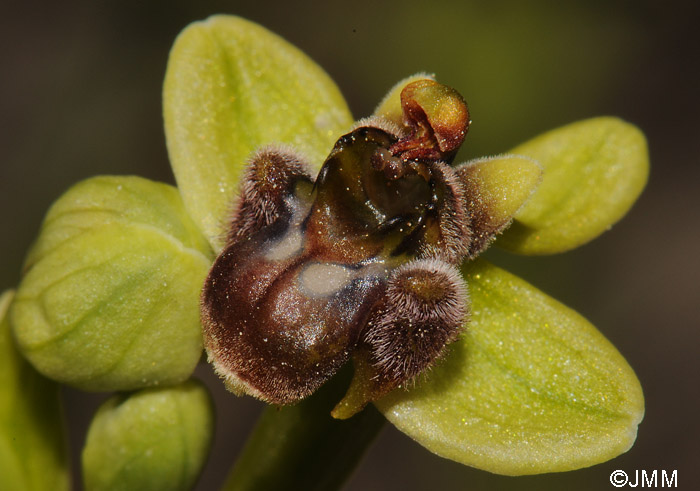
column 303, row 447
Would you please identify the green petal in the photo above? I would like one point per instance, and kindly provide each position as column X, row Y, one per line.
column 531, row 388
column 110, row 296
column 594, row 170
column 33, row 452
column 495, row 189
column 154, row 439
column 232, row 86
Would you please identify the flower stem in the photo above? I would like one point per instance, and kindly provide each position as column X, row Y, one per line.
column 302, row 446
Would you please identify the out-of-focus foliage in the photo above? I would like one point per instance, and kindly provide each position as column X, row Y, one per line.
column 33, row 450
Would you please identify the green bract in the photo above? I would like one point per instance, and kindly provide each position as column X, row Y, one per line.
column 109, row 298
column 232, row 86
column 33, row 452
column 594, row 170
column 154, row 439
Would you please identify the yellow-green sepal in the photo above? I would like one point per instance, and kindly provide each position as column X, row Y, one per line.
column 594, row 171
column 109, row 299
column 153, row 439
column 232, row 86
column 531, row 387
column 390, row 107
column 33, row 448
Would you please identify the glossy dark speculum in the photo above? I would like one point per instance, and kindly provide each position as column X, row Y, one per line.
column 359, row 262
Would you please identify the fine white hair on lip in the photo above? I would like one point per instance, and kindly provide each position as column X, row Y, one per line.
column 323, row 279
column 381, row 123
column 450, row 309
column 410, row 332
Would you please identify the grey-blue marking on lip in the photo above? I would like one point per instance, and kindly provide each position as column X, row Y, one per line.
column 324, row 279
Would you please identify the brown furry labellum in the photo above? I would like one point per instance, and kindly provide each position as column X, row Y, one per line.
column 362, row 260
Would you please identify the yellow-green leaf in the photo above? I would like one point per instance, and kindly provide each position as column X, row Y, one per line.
column 154, row 439
column 532, row 387
column 33, row 451
column 230, row 87
column 594, row 170
column 110, row 295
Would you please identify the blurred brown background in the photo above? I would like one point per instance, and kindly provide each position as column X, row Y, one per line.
column 80, row 95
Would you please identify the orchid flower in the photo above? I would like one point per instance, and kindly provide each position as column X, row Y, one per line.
column 111, row 298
